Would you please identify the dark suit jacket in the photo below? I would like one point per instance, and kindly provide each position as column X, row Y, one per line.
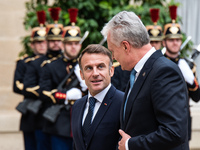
column 104, row 130
column 157, row 108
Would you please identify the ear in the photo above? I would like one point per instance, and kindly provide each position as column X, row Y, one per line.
column 126, row 46
column 82, row 76
column 112, row 71
column 163, row 43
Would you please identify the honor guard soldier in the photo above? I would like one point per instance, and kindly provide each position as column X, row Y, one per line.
column 155, row 31
column 33, row 73
column 172, row 41
column 61, row 84
column 39, row 47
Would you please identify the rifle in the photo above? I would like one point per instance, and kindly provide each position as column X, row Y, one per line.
column 196, row 53
column 84, row 37
column 185, row 42
column 52, row 112
column 103, row 40
column 22, row 106
column 62, row 83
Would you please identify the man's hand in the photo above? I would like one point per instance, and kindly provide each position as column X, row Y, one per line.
column 122, row 142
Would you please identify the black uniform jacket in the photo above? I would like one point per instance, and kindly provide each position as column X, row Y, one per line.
column 31, row 90
column 53, row 75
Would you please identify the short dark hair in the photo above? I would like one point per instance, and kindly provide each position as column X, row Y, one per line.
column 95, row 49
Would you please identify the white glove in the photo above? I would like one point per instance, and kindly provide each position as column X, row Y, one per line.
column 186, row 71
column 82, row 82
column 73, row 94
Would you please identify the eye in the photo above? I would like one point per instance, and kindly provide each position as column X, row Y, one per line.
column 101, row 66
column 88, row 68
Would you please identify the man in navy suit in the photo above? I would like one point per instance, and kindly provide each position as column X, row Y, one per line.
column 154, row 114
column 101, row 131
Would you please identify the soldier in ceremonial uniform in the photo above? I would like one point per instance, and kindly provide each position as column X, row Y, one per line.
column 33, row 73
column 39, row 47
column 172, row 41
column 155, row 31
column 60, row 85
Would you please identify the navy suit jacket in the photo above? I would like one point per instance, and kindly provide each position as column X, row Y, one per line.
column 104, row 130
column 157, row 108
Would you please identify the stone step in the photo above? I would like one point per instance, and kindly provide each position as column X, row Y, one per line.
column 10, row 136
column 11, row 141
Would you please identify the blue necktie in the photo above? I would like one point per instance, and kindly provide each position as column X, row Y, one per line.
column 88, row 119
column 132, row 79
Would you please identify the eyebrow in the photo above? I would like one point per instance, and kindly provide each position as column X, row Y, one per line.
column 95, row 65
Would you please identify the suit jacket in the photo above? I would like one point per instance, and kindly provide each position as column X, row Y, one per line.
column 104, row 130
column 156, row 115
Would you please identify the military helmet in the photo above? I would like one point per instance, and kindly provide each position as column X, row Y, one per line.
column 54, row 31
column 172, row 30
column 72, row 33
column 154, row 31
column 39, row 33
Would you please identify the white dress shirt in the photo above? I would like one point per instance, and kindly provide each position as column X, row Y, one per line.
column 99, row 99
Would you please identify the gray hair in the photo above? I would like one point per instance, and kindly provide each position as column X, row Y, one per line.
column 126, row 26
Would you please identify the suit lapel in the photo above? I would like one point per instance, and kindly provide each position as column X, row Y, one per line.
column 79, row 119
column 139, row 82
column 122, row 107
column 101, row 112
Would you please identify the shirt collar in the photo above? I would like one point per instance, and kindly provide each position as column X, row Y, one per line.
column 138, row 67
column 100, row 96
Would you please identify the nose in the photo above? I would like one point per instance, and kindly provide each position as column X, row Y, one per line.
column 73, row 45
column 95, row 72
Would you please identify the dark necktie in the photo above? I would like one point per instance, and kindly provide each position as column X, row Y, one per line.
column 132, row 79
column 88, row 119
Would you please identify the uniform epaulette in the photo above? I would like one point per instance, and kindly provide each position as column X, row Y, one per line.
column 116, row 64
column 48, row 61
column 32, row 58
column 22, row 57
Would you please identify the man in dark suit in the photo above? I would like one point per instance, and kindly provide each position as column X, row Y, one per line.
column 95, row 127
column 154, row 114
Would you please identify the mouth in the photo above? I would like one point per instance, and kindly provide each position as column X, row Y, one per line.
column 96, row 81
